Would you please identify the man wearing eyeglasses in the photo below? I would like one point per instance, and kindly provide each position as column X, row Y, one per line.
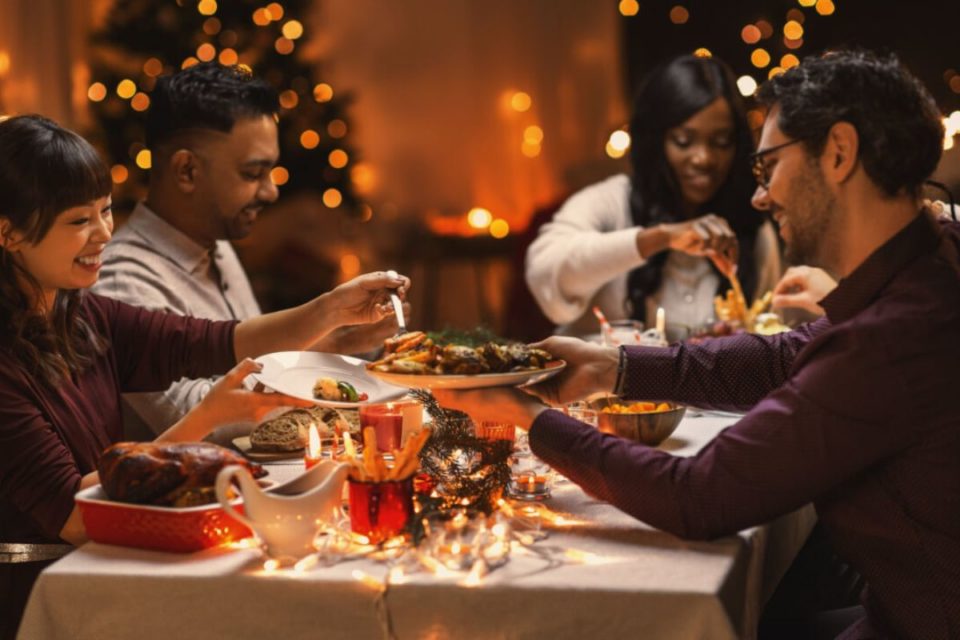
column 855, row 412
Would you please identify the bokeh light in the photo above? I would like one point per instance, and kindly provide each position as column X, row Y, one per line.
column 618, row 143
column 279, row 176
column 530, row 149
column 747, row 85
column 789, row 61
column 338, row 158
column 479, row 218
column 793, row 30
column 228, row 57
column 97, row 92
column 629, row 7
column 309, row 139
column 350, row 265
column 323, row 92
column 520, row 101
column 206, row 52
column 766, row 29
column 775, row 71
column 825, row 7
column 144, row 159
column 533, row 134
column 140, row 102
column 499, row 228
column 332, row 198
column 119, row 174
column 189, row 62
column 750, row 34
column 207, row 7
column 153, row 67
column 703, row 52
column 211, row 26
column 126, row 88
column 274, row 10
column 760, row 58
column 261, row 17
column 337, row 128
column 284, row 46
column 679, row 15
column 292, row 29
column 289, row 99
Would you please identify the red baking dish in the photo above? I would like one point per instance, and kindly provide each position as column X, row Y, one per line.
column 160, row 528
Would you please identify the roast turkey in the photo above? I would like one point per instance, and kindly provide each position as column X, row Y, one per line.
column 177, row 474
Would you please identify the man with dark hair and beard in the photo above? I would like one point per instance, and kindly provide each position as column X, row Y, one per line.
column 855, row 412
column 212, row 133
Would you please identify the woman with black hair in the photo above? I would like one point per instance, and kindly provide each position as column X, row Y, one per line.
column 66, row 355
column 665, row 236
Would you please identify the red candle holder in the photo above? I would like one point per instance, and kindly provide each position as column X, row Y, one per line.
column 380, row 510
column 387, row 422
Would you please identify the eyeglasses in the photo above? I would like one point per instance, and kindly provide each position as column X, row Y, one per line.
column 759, row 167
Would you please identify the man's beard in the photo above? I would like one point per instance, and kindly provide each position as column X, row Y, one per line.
column 814, row 208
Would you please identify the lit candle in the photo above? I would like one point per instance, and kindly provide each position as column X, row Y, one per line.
column 313, row 453
column 661, row 321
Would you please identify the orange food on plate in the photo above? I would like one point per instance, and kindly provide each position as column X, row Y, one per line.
column 637, row 407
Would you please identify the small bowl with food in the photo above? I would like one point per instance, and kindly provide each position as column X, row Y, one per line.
column 642, row 421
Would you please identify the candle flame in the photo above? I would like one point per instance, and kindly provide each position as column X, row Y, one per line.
column 314, row 444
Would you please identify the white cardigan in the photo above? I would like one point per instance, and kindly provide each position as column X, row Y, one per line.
column 582, row 257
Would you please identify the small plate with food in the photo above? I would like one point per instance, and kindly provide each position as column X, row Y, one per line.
column 285, row 436
column 328, row 379
column 416, row 360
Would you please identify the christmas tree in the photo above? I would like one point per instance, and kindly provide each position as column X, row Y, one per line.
column 143, row 39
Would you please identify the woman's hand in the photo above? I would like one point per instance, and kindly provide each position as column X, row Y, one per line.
column 495, row 404
column 366, row 298
column 709, row 236
column 590, row 368
column 803, row 288
column 229, row 402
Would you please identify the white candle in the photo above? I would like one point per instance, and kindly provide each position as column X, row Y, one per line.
column 661, row 320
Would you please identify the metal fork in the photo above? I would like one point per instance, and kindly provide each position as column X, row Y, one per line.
column 397, row 307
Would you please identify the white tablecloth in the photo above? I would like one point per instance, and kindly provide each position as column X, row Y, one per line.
column 635, row 582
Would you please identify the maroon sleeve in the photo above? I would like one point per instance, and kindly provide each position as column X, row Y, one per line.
column 38, row 474
column 796, row 444
column 154, row 349
column 731, row 373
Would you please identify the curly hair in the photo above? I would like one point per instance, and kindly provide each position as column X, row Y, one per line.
column 670, row 96
column 208, row 95
column 44, row 170
column 898, row 124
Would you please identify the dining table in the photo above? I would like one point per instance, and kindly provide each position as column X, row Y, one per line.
column 594, row 572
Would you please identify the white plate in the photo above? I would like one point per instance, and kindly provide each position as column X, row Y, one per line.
column 295, row 372
column 475, row 381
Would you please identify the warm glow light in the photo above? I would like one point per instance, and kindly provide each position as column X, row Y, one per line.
column 4, row 62
column 284, row 46
column 97, row 92
column 746, row 85
column 766, row 29
column 309, row 139
column 479, row 218
column 189, row 62
column 796, row 14
column 228, row 57
column 207, row 7
column 275, row 10
column 366, row 213
column 126, row 89
column 520, row 101
column 755, row 118
column 350, row 265
column 289, row 99
column 211, row 26
column 323, row 92
column 679, row 15
column 807, row 3
column 948, row 143
column 338, row 158
column 629, row 7
column 954, row 121
column 793, row 30
column 750, row 34
column 337, row 128
column 119, row 174
column 530, row 149
column 332, row 198
column 760, row 58
column 206, row 52
column 313, row 444
column 153, row 67
column 775, row 71
column 229, row 38
column 789, row 60
column 792, row 44
column 363, row 177
column 703, row 52
column 533, row 134
column 261, row 17
column 499, row 228
column 292, row 29
column 144, row 159
column 955, row 84
column 140, row 102
column 825, row 7
column 279, row 176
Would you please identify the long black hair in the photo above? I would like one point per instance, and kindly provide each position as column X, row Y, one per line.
column 44, row 170
column 671, row 95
